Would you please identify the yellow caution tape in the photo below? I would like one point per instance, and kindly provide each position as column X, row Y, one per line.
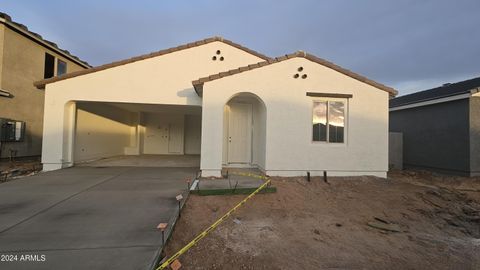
column 249, row 175
column 214, row 225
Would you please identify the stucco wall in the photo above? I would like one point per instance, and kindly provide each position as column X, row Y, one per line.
column 259, row 134
column 2, row 32
column 165, row 79
column 435, row 136
column 157, row 133
column 475, row 135
column 101, row 131
column 289, row 146
column 395, row 151
column 23, row 64
column 193, row 133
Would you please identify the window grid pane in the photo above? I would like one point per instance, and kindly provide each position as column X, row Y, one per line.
column 320, row 121
column 61, row 67
column 336, row 121
column 328, row 121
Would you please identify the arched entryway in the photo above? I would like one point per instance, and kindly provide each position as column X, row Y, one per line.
column 244, row 131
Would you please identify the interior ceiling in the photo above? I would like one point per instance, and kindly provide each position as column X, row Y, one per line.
column 157, row 108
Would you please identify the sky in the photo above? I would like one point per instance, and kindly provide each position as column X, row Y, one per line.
column 408, row 45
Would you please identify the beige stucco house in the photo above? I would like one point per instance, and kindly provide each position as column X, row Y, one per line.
column 230, row 105
column 25, row 57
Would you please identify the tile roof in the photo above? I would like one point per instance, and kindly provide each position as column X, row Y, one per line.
column 42, row 83
column 5, row 93
column 199, row 83
column 25, row 29
column 446, row 90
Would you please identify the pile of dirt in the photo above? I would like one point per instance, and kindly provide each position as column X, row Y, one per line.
column 405, row 222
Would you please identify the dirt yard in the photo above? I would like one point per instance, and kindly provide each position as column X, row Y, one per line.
column 429, row 222
column 10, row 170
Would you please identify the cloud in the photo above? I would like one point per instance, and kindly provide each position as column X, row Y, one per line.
column 406, row 44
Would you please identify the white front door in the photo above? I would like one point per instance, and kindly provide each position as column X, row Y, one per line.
column 239, row 133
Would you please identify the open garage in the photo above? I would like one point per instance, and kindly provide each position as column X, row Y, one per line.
column 127, row 134
column 142, row 111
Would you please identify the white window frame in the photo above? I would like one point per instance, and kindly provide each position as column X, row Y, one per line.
column 346, row 116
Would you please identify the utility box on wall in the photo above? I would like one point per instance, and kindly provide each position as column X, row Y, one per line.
column 11, row 130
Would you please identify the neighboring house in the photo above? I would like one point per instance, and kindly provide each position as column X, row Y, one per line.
column 285, row 116
column 25, row 57
column 441, row 127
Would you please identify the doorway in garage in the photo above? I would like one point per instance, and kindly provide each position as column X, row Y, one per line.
column 131, row 134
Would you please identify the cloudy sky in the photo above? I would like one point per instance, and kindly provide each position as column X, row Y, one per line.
column 410, row 45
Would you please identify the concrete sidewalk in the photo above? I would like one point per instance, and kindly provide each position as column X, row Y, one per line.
column 88, row 218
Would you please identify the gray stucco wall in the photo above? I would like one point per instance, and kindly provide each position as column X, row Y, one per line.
column 395, row 151
column 475, row 136
column 435, row 136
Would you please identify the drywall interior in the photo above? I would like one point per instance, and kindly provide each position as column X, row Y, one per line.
column 193, row 133
column 161, row 130
column 101, row 131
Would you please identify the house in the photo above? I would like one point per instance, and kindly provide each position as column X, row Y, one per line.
column 230, row 105
column 441, row 127
column 25, row 57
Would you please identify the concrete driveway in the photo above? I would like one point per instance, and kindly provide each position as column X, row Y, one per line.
column 87, row 217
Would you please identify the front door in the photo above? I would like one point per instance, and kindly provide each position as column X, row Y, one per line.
column 239, row 133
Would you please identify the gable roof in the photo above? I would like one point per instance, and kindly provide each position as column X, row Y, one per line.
column 41, row 84
column 446, row 90
column 23, row 30
column 198, row 84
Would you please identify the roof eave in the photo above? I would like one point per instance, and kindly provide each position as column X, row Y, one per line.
column 198, row 88
column 44, row 43
column 470, row 92
column 391, row 91
column 41, row 84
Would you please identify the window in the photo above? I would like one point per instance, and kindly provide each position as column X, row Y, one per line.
column 328, row 121
column 49, row 66
column 61, row 67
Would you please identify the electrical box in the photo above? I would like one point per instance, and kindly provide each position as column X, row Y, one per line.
column 11, row 130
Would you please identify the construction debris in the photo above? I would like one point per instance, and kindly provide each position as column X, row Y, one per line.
column 389, row 227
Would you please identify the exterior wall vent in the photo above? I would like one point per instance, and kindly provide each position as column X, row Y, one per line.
column 297, row 75
column 218, row 56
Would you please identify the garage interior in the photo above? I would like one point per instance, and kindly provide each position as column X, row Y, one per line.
column 130, row 134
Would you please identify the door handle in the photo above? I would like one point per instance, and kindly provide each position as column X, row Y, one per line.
column 229, row 139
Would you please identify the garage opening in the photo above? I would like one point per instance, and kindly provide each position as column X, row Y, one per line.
column 131, row 134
